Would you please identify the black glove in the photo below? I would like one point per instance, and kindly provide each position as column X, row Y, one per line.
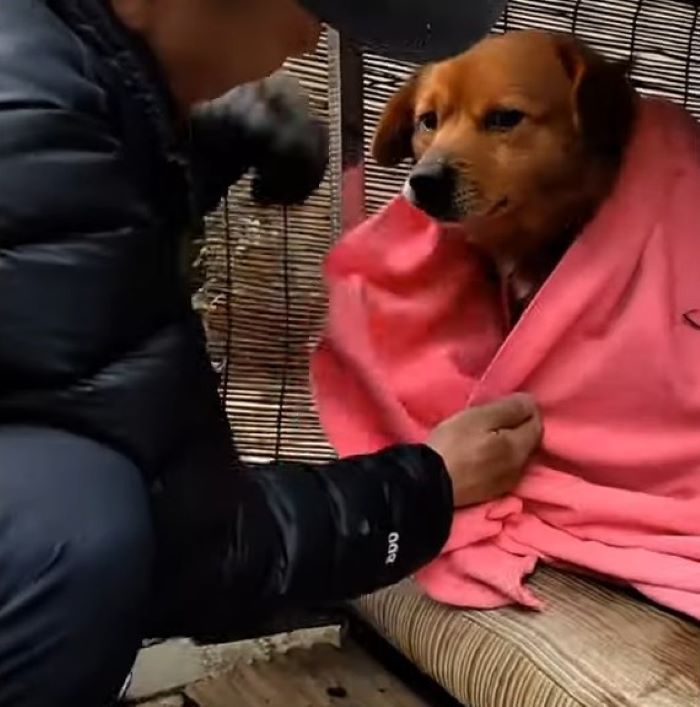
column 292, row 146
column 267, row 127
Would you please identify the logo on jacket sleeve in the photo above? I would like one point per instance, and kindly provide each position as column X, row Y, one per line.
column 393, row 550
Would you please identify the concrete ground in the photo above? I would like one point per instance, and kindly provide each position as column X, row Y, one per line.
column 308, row 669
column 165, row 669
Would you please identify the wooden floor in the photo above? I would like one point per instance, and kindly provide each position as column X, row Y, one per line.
column 323, row 676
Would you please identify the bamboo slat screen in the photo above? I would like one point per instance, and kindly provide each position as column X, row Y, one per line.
column 263, row 300
column 263, row 296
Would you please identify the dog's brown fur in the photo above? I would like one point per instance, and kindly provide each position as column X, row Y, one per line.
column 532, row 126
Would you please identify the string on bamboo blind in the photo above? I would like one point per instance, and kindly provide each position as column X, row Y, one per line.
column 263, row 301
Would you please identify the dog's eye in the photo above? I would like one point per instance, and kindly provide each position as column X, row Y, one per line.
column 503, row 119
column 427, row 121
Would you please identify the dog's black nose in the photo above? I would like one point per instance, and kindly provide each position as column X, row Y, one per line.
column 432, row 187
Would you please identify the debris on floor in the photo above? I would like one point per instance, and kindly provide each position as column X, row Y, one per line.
column 165, row 668
column 322, row 675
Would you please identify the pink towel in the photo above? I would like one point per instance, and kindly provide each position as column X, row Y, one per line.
column 610, row 347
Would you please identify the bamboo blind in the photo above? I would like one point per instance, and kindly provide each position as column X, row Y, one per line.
column 263, row 295
column 264, row 303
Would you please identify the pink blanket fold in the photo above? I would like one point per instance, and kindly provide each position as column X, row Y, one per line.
column 610, row 347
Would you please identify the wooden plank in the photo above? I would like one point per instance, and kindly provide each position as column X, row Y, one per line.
column 323, row 676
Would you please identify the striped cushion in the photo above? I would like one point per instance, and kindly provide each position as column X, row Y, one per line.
column 592, row 646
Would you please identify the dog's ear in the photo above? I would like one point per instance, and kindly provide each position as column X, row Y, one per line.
column 394, row 135
column 603, row 99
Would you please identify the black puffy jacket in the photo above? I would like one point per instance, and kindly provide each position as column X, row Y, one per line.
column 97, row 336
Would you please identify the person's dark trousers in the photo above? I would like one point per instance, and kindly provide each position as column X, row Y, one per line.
column 76, row 552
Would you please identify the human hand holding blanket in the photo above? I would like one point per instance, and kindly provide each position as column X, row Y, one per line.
column 486, row 449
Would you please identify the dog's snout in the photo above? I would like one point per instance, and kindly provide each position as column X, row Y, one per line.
column 432, row 188
column 431, row 180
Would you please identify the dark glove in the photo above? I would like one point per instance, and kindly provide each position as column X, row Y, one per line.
column 292, row 146
column 267, row 127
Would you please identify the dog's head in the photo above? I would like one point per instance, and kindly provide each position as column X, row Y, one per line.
column 521, row 137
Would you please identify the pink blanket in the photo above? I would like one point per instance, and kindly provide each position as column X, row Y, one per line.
column 610, row 347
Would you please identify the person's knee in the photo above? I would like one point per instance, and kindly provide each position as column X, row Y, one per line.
column 76, row 515
column 99, row 562
column 105, row 570
column 76, row 552
column 71, row 613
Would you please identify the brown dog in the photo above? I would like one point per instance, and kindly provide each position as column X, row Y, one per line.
column 521, row 138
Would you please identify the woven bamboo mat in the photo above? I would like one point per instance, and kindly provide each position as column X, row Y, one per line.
column 592, row 646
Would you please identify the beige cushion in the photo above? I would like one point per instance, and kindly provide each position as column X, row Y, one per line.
column 590, row 647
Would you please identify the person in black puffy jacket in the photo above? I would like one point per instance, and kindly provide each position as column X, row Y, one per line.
column 125, row 512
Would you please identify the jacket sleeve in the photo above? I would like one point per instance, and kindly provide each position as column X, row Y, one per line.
column 350, row 527
column 71, row 220
column 293, row 536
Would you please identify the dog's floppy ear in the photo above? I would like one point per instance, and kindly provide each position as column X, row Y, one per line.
column 393, row 138
column 604, row 100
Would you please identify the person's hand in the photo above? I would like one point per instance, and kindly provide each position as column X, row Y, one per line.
column 267, row 127
column 292, row 146
column 486, row 449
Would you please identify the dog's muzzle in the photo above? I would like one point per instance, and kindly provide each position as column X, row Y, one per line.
column 432, row 187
